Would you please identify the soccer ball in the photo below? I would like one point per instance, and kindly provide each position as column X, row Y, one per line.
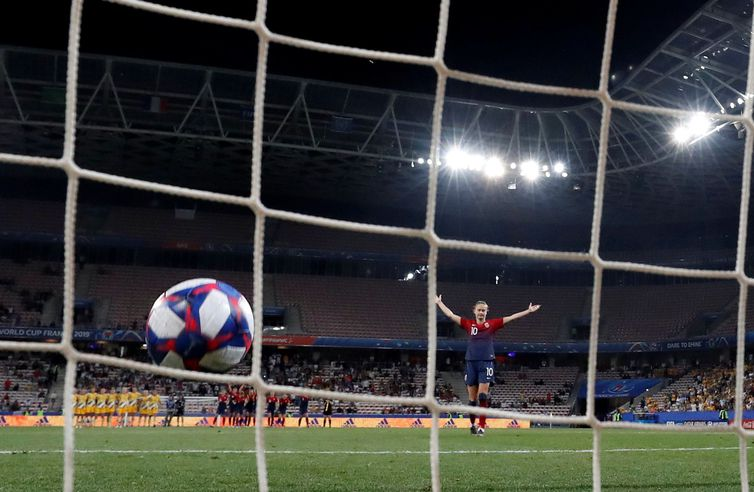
column 200, row 324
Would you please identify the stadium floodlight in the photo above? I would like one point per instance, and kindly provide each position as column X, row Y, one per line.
column 457, row 158
column 530, row 170
column 429, row 161
column 682, row 134
column 547, row 174
column 697, row 127
column 420, row 160
column 493, row 167
column 559, row 167
column 409, row 276
column 732, row 105
column 564, row 174
column 545, row 168
column 740, row 100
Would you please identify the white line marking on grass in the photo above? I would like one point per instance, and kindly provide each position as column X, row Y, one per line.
column 280, row 451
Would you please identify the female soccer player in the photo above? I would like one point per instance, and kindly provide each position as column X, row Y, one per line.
column 303, row 409
column 480, row 353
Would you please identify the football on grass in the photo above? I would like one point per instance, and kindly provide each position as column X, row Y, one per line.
column 200, row 324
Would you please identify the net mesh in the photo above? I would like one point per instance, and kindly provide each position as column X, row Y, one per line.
column 75, row 174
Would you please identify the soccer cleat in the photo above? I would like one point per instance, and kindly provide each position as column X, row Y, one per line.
column 480, row 432
column 474, row 430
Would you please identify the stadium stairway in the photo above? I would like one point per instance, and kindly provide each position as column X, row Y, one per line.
column 571, row 401
column 727, row 315
column 455, row 379
column 649, row 393
column 57, row 389
column 293, row 319
column 84, row 281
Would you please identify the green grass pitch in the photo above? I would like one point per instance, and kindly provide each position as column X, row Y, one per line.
column 195, row 459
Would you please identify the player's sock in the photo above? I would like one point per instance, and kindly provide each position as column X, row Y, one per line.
column 484, row 402
column 307, row 422
column 299, row 421
column 472, row 417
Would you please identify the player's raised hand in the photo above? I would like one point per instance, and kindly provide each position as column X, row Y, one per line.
column 534, row 307
column 438, row 299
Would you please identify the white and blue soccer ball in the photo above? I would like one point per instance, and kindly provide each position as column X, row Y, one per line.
column 200, row 324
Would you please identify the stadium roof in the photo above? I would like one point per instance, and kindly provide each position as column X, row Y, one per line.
column 191, row 126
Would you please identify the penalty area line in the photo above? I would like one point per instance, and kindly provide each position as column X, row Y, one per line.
column 378, row 452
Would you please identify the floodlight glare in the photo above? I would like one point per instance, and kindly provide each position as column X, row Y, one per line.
column 559, row 167
column 740, row 100
column 456, row 158
column 493, row 168
column 682, row 134
column 699, row 125
column 530, row 170
column 513, row 165
column 420, row 160
column 564, row 174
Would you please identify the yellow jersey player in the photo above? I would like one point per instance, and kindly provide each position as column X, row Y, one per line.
column 133, row 404
column 123, row 407
column 154, row 406
column 91, row 406
column 112, row 403
column 76, row 410
column 142, row 407
column 101, row 406
column 81, row 407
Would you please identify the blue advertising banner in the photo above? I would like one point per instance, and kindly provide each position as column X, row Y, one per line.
column 706, row 418
column 619, row 388
column 445, row 344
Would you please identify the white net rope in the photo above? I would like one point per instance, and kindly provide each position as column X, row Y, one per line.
column 75, row 173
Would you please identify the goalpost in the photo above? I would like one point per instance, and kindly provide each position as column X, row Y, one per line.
column 67, row 163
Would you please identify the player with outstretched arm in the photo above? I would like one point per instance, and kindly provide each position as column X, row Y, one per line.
column 480, row 353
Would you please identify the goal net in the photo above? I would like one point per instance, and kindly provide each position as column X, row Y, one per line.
column 76, row 174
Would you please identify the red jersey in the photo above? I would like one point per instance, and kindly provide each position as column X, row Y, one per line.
column 284, row 401
column 481, row 336
column 271, row 400
column 236, row 397
column 222, row 398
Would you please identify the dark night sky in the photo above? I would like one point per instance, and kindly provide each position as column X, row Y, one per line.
column 546, row 41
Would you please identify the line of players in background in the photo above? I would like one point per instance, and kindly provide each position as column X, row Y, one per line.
column 237, row 407
column 97, row 409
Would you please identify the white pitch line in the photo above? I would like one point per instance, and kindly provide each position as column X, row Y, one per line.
column 459, row 451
